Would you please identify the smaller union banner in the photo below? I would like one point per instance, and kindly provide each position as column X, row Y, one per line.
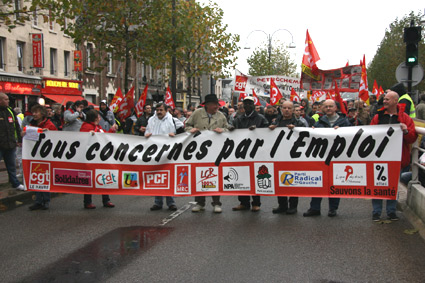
column 37, row 50
column 349, row 162
column 78, row 61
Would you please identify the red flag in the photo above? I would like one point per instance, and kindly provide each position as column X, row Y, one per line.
column 142, row 101
column 169, row 99
column 116, row 101
column 275, row 94
column 363, row 89
column 338, row 99
column 242, row 95
column 346, row 65
column 328, row 95
column 126, row 105
column 380, row 91
column 310, row 58
column 256, row 100
column 294, row 95
column 375, row 90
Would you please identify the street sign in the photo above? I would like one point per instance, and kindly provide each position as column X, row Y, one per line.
column 402, row 71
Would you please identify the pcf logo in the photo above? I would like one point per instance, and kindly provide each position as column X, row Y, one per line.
column 156, row 180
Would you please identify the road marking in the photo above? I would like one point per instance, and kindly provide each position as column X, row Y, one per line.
column 176, row 213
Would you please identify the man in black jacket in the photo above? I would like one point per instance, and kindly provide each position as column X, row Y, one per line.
column 287, row 119
column 10, row 138
column 142, row 121
column 249, row 120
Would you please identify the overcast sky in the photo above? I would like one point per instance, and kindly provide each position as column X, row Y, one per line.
column 341, row 30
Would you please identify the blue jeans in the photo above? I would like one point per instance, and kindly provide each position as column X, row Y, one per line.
column 42, row 198
column 316, row 202
column 377, row 206
column 159, row 201
column 9, row 157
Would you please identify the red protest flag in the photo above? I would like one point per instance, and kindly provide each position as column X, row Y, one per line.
column 275, row 94
column 380, row 91
column 363, row 89
column 116, row 100
column 169, row 98
column 242, row 95
column 375, row 89
column 256, row 100
column 126, row 105
column 294, row 95
column 142, row 102
column 310, row 58
column 338, row 99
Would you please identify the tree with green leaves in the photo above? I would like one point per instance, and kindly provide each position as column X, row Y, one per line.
column 13, row 13
column 277, row 61
column 392, row 52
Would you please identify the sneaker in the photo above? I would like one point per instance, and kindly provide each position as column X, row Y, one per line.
column 108, row 204
column 311, row 212
column 255, row 208
column 89, row 206
column 20, row 188
column 376, row 217
column 36, row 206
column 198, row 208
column 172, row 207
column 217, row 209
column 155, row 207
column 393, row 217
column 240, row 207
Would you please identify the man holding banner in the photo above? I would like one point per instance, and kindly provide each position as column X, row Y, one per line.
column 392, row 113
column 330, row 120
column 207, row 118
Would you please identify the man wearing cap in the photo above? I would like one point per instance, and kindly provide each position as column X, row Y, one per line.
column 207, row 118
column 249, row 120
column 107, row 118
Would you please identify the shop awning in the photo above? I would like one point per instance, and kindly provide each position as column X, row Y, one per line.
column 63, row 99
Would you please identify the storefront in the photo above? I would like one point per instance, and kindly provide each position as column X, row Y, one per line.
column 21, row 89
column 61, row 90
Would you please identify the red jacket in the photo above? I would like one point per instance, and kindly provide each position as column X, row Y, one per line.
column 45, row 124
column 383, row 118
column 88, row 126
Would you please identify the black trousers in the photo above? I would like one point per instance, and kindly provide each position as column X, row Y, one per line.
column 283, row 202
column 245, row 200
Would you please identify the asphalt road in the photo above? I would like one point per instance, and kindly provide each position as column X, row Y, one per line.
column 129, row 243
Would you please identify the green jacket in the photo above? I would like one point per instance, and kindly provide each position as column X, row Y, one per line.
column 199, row 119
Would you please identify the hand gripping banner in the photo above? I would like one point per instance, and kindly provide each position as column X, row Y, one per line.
column 351, row 162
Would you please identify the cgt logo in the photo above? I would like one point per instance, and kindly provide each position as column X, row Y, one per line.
column 240, row 83
column 39, row 176
column 106, row 179
column 130, row 180
column 156, row 180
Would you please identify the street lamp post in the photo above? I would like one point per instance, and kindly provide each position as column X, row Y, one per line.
column 269, row 39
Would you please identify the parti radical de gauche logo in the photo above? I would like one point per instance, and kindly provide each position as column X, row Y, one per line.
column 300, row 179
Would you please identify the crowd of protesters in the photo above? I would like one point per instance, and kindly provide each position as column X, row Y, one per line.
column 394, row 106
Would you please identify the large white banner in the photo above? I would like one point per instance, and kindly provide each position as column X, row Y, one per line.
column 345, row 162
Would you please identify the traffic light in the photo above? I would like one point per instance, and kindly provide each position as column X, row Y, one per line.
column 412, row 36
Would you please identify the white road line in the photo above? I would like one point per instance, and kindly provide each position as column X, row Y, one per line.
column 176, row 213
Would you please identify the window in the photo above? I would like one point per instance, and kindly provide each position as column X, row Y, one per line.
column 20, row 53
column 35, row 18
column 18, row 7
column 65, row 23
column 51, row 23
column 53, row 60
column 110, row 62
column 66, row 56
column 2, row 43
column 89, row 54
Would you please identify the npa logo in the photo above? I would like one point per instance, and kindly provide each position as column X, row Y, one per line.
column 300, row 179
column 39, row 176
column 156, row 180
column 265, row 179
column 130, row 180
column 106, row 179
column 182, row 180
column 240, row 83
column 236, row 178
column 207, row 179
column 349, row 174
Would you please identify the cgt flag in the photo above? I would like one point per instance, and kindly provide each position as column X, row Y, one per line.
column 275, row 94
column 169, row 99
column 116, row 101
column 294, row 95
column 256, row 100
column 126, row 105
column 363, row 89
column 142, row 102
column 242, row 96
column 310, row 58
column 338, row 99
